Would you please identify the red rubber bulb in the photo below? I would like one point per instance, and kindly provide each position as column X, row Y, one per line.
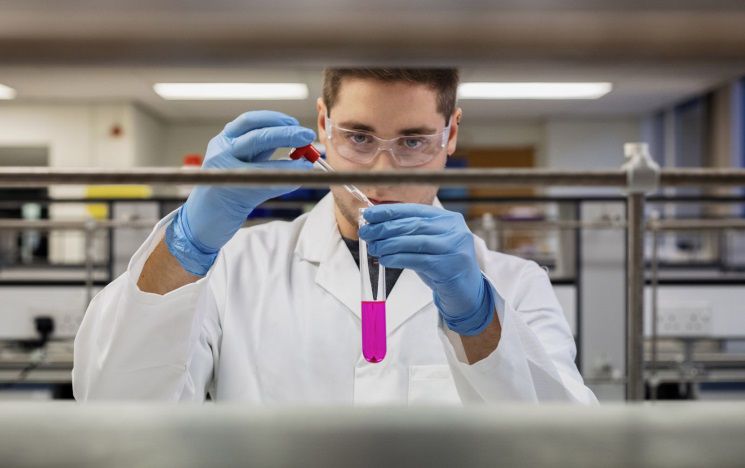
column 308, row 152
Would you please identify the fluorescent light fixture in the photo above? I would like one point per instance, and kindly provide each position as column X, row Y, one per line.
column 490, row 90
column 231, row 91
column 6, row 92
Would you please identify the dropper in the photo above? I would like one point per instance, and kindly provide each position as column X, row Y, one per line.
column 310, row 153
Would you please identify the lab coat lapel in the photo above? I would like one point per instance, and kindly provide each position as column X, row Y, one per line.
column 320, row 242
column 338, row 274
column 408, row 296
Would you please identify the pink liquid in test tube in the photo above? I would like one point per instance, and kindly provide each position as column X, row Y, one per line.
column 373, row 306
column 373, row 330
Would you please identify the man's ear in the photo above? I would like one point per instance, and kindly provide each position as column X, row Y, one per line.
column 321, row 122
column 454, row 125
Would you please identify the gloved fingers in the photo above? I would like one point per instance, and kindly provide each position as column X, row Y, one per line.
column 402, row 227
column 387, row 212
column 281, row 165
column 430, row 245
column 412, row 261
column 259, row 144
column 272, row 191
column 257, row 119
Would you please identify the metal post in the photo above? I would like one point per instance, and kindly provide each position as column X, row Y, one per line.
column 653, row 380
column 635, row 298
column 90, row 229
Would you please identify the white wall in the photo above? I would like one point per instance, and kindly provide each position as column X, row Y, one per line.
column 180, row 140
column 80, row 135
column 588, row 144
column 505, row 133
column 66, row 130
column 148, row 137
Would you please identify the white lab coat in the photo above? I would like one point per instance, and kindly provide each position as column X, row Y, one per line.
column 277, row 320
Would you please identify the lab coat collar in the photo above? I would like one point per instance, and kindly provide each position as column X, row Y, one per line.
column 320, row 242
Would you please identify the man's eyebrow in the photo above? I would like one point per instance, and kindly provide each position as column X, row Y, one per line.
column 354, row 125
column 417, row 131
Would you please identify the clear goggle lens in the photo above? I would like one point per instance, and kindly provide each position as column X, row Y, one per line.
column 410, row 150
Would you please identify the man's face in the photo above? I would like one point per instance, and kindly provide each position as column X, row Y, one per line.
column 387, row 110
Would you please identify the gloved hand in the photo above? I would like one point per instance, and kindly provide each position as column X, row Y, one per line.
column 438, row 246
column 213, row 214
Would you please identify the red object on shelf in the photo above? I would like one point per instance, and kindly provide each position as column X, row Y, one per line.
column 192, row 160
column 308, row 152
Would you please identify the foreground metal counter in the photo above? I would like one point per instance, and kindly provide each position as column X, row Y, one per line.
column 129, row 435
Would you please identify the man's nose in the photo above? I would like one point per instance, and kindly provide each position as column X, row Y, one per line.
column 384, row 160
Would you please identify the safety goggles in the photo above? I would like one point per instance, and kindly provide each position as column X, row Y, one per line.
column 363, row 147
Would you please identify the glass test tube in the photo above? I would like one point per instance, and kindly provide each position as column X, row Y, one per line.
column 373, row 307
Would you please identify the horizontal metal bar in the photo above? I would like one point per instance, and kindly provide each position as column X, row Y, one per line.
column 694, row 224
column 36, row 176
column 46, row 224
column 568, row 225
column 14, row 201
column 91, row 224
column 702, row 177
column 652, row 225
column 507, row 224
column 30, row 176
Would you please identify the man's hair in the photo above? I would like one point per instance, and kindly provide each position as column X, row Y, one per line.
column 443, row 80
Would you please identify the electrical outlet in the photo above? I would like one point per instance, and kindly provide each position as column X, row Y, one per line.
column 66, row 322
column 684, row 320
column 19, row 306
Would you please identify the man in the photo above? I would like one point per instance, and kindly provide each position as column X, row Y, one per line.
column 271, row 314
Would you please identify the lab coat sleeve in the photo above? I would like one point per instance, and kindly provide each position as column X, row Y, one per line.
column 135, row 345
column 534, row 361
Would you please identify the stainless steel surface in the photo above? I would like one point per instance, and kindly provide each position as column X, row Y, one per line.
column 165, row 435
column 169, row 32
column 635, row 297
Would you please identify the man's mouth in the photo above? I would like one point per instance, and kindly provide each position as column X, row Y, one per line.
column 381, row 202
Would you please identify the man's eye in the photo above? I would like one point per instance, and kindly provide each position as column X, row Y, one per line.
column 359, row 138
column 412, row 143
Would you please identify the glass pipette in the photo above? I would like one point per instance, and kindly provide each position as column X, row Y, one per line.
column 313, row 155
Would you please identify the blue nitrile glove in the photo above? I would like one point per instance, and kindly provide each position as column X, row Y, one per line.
column 213, row 214
column 438, row 246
